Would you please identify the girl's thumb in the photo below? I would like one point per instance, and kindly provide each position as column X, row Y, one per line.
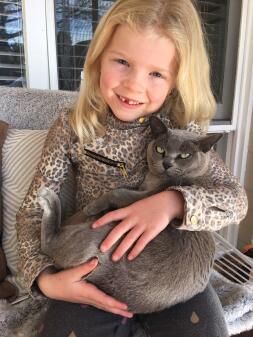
column 88, row 266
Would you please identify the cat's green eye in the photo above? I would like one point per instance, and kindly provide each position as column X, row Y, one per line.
column 184, row 155
column 160, row 150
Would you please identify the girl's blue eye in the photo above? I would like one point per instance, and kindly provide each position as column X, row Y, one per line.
column 156, row 74
column 121, row 61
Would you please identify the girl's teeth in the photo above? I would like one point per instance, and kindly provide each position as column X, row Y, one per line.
column 130, row 102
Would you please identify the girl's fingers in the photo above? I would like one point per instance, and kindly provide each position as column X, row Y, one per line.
column 84, row 269
column 110, row 216
column 118, row 312
column 127, row 242
column 141, row 244
column 100, row 298
column 115, row 234
column 107, row 303
column 113, row 310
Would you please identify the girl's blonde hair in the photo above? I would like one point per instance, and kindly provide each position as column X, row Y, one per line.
column 192, row 99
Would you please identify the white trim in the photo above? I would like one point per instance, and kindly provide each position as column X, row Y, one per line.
column 51, row 40
column 225, row 231
column 35, row 38
column 25, row 44
column 243, row 102
column 243, row 94
column 224, row 108
column 221, row 128
column 228, row 159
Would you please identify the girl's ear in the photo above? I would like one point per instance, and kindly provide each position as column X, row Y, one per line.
column 157, row 126
column 207, row 142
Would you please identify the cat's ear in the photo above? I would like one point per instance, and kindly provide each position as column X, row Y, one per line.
column 157, row 126
column 207, row 142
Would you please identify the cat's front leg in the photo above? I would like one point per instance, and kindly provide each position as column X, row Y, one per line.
column 115, row 199
column 51, row 219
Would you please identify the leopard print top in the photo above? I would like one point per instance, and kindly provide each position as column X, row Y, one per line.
column 219, row 202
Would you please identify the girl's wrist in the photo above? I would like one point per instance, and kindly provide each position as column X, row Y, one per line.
column 46, row 271
column 44, row 275
column 181, row 204
column 175, row 204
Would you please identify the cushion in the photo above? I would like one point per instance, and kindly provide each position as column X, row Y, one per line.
column 35, row 109
column 21, row 153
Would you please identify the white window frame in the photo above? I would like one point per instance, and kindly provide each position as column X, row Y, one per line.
column 35, row 43
column 41, row 66
column 237, row 151
column 52, row 49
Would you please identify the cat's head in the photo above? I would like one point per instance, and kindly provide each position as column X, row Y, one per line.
column 176, row 152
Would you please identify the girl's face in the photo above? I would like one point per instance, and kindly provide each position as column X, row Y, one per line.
column 138, row 71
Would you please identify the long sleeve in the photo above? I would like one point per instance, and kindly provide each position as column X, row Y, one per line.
column 51, row 172
column 218, row 201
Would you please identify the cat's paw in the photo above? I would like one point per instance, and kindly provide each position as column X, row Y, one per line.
column 95, row 208
column 51, row 206
column 45, row 198
column 102, row 204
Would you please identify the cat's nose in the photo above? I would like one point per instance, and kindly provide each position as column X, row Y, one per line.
column 167, row 164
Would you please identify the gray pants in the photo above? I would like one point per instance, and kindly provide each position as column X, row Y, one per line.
column 201, row 316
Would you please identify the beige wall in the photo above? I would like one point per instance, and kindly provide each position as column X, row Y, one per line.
column 246, row 227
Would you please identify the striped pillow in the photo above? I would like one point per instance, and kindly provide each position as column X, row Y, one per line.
column 20, row 156
column 21, row 153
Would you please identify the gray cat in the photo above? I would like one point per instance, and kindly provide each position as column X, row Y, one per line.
column 175, row 265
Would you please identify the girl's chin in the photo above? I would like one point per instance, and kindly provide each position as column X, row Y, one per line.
column 122, row 117
column 126, row 116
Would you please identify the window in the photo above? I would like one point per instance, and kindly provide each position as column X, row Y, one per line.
column 76, row 21
column 12, row 61
column 221, row 20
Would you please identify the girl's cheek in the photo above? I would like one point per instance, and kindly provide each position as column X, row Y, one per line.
column 106, row 80
column 110, row 77
column 159, row 93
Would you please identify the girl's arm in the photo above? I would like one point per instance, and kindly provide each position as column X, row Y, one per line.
column 218, row 202
column 37, row 269
column 67, row 285
column 51, row 171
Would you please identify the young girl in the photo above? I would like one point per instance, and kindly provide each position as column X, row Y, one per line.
column 146, row 57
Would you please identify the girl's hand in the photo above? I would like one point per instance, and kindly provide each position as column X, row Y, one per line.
column 141, row 222
column 67, row 285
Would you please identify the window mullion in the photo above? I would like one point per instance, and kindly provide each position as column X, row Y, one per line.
column 35, row 32
column 51, row 40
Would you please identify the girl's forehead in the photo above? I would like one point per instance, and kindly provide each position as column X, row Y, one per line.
column 126, row 33
column 142, row 45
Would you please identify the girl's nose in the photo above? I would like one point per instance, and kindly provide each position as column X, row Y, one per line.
column 134, row 81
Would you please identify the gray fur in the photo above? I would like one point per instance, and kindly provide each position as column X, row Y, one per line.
column 22, row 319
column 174, row 266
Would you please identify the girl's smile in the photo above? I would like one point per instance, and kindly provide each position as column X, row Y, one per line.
column 128, row 102
column 138, row 71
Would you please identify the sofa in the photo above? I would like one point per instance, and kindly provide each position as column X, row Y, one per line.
column 25, row 116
